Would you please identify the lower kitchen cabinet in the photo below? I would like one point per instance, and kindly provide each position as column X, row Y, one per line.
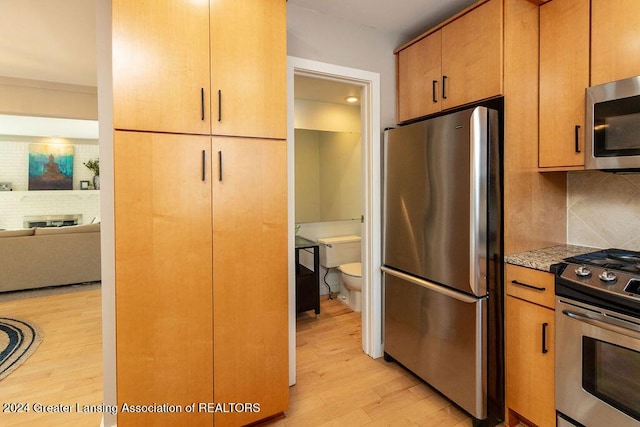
column 530, row 350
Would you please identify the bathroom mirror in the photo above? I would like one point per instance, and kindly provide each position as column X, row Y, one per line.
column 328, row 169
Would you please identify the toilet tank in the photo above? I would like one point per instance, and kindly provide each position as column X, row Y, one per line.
column 335, row 251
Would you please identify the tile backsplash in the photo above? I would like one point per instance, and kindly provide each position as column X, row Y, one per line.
column 603, row 209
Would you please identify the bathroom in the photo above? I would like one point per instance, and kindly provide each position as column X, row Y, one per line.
column 328, row 181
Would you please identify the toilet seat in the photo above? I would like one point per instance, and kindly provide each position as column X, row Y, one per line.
column 353, row 269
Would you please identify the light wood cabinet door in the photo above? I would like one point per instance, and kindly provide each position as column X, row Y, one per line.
column 564, row 76
column 419, row 78
column 163, row 276
column 250, row 276
column 615, row 31
column 472, row 56
column 248, row 68
column 530, row 376
column 161, row 66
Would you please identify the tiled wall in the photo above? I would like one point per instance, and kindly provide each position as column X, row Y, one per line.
column 14, row 168
column 603, row 209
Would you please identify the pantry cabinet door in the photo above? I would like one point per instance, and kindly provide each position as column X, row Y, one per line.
column 248, row 68
column 250, row 286
column 615, row 31
column 161, row 66
column 419, row 73
column 163, row 276
column 564, row 75
column 472, row 56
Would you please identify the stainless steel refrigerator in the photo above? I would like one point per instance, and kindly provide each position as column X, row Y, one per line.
column 442, row 256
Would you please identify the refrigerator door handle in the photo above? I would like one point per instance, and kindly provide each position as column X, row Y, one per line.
column 478, row 207
column 429, row 285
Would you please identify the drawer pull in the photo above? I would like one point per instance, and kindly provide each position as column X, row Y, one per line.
column 537, row 288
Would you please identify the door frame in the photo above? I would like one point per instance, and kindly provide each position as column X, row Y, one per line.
column 372, row 223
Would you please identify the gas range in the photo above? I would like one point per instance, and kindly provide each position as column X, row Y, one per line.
column 609, row 276
column 597, row 319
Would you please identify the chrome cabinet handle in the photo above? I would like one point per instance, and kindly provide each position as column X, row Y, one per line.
column 515, row 282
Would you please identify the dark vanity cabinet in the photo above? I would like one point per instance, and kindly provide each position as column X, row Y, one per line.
column 307, row 280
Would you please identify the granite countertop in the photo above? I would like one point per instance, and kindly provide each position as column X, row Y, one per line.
column 542, row 259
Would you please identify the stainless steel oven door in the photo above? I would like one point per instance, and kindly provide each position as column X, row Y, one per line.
column 597, row 365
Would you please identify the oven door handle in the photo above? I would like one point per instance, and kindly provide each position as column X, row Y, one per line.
column 617, row 326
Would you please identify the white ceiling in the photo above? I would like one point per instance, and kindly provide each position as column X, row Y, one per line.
column 407, row 17
column 49, row 40
column 55, row 40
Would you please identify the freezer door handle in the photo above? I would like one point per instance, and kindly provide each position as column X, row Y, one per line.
column 429, row 285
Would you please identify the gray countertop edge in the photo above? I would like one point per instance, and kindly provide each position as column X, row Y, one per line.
column 542, row 259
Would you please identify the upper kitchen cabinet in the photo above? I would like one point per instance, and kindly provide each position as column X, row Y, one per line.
column 161, row 66
column 615, row 31
column 564, row 75
column 454, row 64
column 419, row 77
column 200, row 67
column 248, row 68
column 472, row 56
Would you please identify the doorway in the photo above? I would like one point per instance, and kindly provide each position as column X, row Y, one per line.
column 371, row 194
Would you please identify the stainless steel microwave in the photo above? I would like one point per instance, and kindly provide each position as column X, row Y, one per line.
column 613, row 125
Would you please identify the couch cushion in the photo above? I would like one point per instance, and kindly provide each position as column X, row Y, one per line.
column 86, row 228
column 17, row 233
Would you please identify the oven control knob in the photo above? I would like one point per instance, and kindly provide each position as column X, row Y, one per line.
column 607, row 276
column 583, row 271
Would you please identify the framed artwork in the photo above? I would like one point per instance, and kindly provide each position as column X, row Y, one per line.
column 84, row 185
column 50, row 167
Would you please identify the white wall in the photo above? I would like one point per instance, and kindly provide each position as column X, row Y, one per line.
column 14, row 168
column 326, row 116
column 331, row 40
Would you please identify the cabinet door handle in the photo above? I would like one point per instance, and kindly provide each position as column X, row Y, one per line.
column 220, row 166
column 444, row 87
column 544, row 338
column 204, row 165
column 577, row 134
column 202, row 104
column 433, row 90
column 219, row 105
column 515, row 282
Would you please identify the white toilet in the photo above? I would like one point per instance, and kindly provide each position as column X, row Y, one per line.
column 343, row 252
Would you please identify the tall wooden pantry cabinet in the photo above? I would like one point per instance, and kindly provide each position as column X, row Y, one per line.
column 200, row 196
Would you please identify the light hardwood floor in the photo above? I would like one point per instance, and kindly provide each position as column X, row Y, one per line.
column 66, row 369
column 337, row 384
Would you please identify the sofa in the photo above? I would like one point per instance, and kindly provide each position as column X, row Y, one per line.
column 50, row 256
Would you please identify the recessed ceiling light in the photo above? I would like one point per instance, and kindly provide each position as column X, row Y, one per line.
column 351, row 99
